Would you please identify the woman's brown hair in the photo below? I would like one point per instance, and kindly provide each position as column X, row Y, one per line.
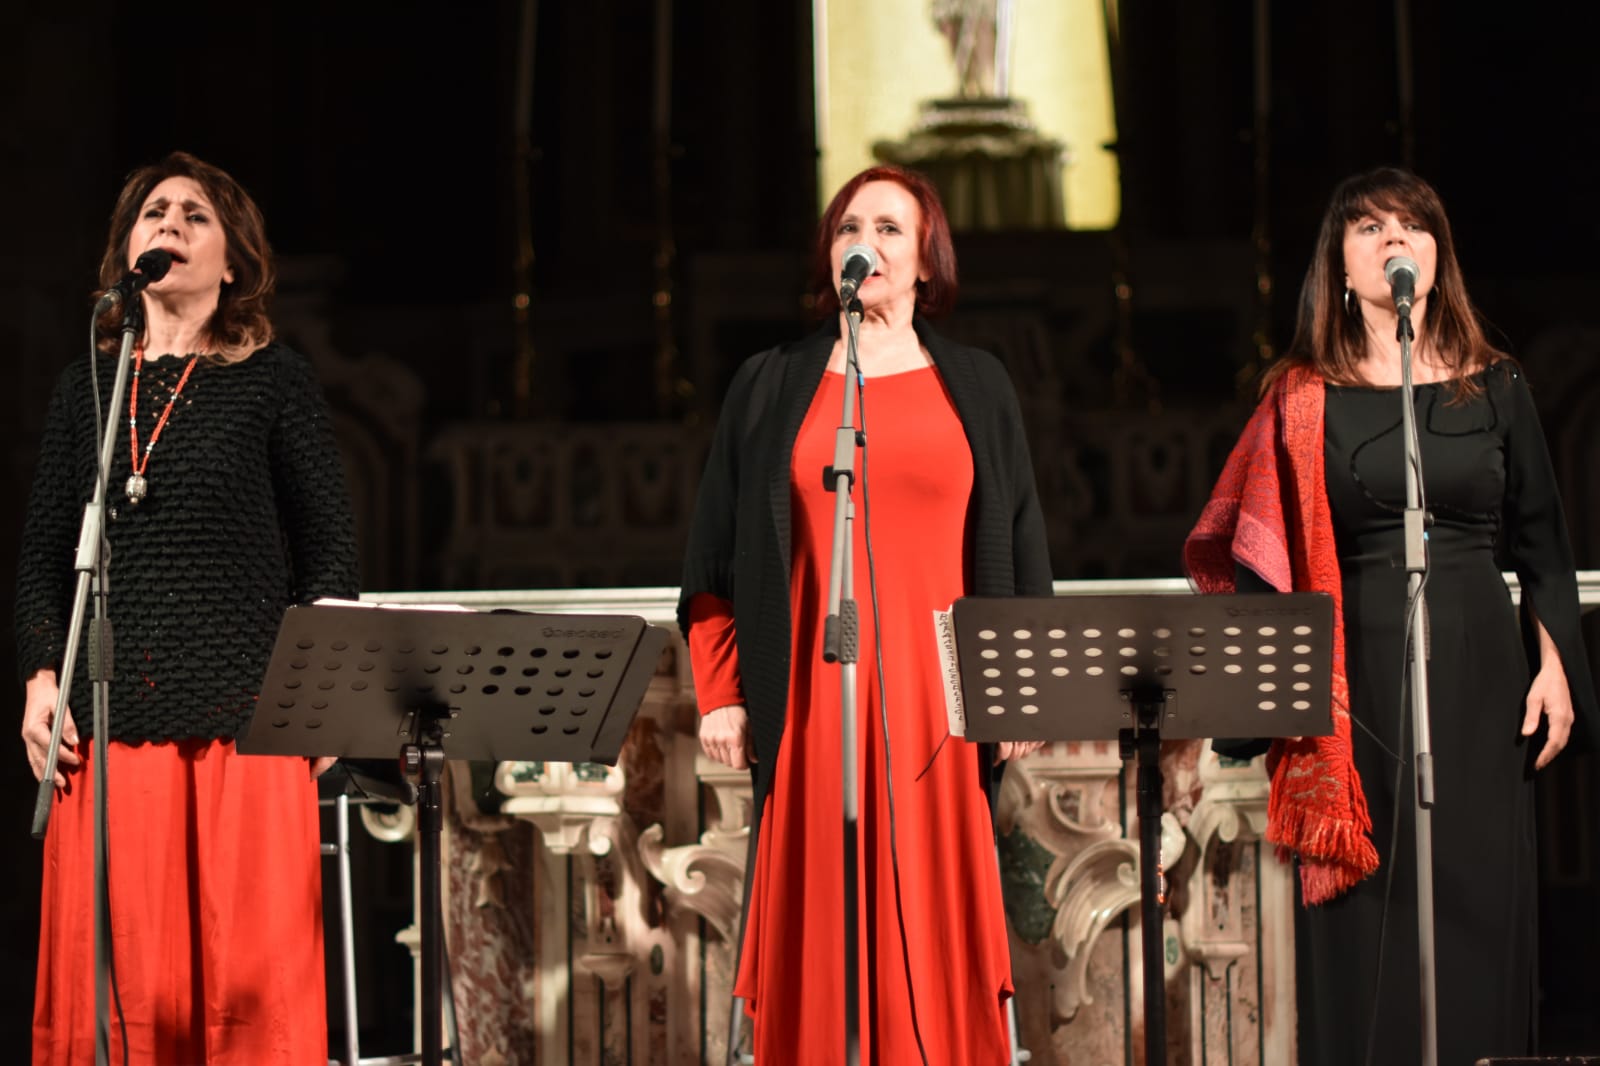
column 1332, row 339
column 240, row 325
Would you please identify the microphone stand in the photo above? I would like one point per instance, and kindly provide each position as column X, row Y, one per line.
column 1416, row 559
column 93, row 564
column 840, row 645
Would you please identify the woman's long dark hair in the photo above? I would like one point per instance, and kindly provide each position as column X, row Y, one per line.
column 1333, row 340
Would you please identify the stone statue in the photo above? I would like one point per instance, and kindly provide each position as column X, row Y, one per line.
column 978, row 32
column 994, row 169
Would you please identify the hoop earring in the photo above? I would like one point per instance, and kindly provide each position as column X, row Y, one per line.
column 1351, row 307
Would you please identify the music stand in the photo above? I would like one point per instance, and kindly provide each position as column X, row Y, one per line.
column 427, row 685
column 1137, row 668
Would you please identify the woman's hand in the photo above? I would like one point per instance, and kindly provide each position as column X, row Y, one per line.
column 1549, row 697
column 1016, row 749
column 321, row 765
column 725, row 736
column 38, row 715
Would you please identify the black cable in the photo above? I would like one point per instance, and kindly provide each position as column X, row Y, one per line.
column 1373, row 736
column 883, row 712
column 111, row 955
column 94, row 384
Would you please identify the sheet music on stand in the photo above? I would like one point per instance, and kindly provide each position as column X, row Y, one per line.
column 1140, row 669
column 425, row 685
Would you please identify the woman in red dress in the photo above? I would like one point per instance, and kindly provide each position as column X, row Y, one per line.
column 946, row 507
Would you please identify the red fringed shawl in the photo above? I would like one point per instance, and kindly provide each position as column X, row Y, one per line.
column 1272, row 484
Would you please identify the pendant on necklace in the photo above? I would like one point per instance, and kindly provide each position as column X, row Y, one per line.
column 136, row 488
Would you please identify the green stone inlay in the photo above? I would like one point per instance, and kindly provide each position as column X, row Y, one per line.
column 525, row 772
column 1023, row 866
column 591, row 772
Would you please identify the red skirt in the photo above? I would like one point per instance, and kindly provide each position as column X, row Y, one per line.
column 216, row 911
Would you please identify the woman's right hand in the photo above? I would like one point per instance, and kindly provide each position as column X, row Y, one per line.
column 725, row 736
column 38, row 713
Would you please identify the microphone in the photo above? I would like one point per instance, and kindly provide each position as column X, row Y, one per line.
column 1401, row 274
column 149, row 267
column 859, row 263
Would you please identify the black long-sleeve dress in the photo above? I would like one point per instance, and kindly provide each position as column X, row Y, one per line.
column 1491, row 489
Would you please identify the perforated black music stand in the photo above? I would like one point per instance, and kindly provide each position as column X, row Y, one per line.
column 1136, row 668
column 427, row 685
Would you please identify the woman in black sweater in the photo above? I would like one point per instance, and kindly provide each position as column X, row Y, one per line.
column 227, row 505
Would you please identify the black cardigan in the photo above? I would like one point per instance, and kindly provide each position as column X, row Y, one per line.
column 739, row 542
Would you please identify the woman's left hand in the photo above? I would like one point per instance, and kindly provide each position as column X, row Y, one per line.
column 1007, row 750
column 322, row 765
column 1548, row 696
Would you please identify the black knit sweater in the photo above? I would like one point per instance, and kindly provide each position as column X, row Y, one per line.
column 246, row 514
column 739, row 542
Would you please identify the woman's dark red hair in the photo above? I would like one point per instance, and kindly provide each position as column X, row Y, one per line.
column 937, row 254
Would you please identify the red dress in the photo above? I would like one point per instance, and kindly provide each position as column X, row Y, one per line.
column 216, row 911
column 918, row 480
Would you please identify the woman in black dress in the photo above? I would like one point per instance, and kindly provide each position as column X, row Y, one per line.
column 1503, row 702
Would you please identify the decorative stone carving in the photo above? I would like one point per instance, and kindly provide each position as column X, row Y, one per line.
column 1065, row 800
column 611, row 906
column 1089, row 892
column 1224, row 929
column 708, row 877
column 1232, row 811
column 577, row 809
column 389, row 824
column 554, row 505
column 563, row 801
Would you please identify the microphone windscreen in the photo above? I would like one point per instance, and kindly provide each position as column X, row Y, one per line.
column 860, row 251
column 1400, row 264
column 154, row 264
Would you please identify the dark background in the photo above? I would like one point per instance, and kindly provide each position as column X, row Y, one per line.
column 378, row 141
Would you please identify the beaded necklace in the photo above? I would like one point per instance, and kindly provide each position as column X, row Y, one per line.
column 137, row 486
